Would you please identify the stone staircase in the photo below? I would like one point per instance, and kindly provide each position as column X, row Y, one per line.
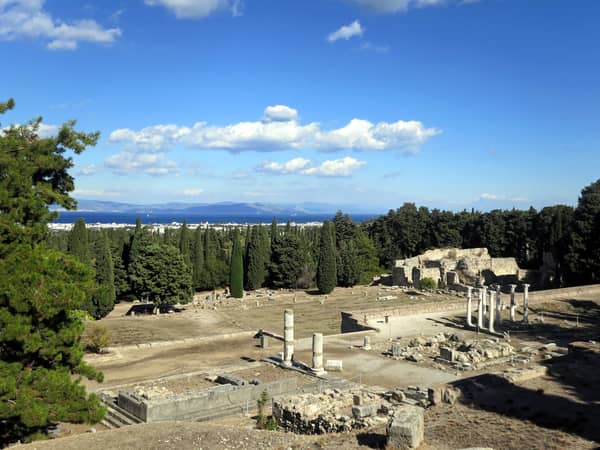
column 116, row 417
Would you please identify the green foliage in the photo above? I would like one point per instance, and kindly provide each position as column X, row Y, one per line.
column 103, row 297
column 41, row 289
column 236, row 274
column 261, row 419
column 184, row 242
column 79, row 243
column 326, row 269
column 160, row 275
column 584, row 255
column 197, row 259
column 258, row 254
column 427, row 283
column 287, row 261
column 33, row 176
column 98, row 338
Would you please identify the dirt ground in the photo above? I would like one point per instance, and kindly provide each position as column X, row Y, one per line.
column 230, row 316
column 558, row 411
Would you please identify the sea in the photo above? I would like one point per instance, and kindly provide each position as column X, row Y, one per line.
column 96, row 217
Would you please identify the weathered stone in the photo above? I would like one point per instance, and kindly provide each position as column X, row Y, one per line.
column 357, row 399
column 447, row 353
column 406, row 429
column 334, row 365
column 368, row 410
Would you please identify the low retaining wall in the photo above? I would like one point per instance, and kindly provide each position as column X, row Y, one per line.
column 211, row 402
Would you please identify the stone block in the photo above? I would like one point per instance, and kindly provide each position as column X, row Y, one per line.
column 357, row 399
column 368, row 410
column 231, row 379
column 334, row 365
column 396, row 349
column 448, row 354
column 405, row 430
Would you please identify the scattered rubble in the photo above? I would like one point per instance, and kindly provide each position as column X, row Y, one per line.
column 448, row 348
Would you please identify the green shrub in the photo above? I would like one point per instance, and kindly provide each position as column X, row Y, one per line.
column 427, row 283
column 98, row 338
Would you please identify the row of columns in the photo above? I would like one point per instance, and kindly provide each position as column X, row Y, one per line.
column 490, row 303
column 288, row 344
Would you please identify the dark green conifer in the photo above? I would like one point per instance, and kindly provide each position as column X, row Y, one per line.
column 236, row 274
column 103, row 298
column 78, row 242
column 326, row 269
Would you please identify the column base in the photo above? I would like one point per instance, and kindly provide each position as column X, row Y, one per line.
column 320, row 371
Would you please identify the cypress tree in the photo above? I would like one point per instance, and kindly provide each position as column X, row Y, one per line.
column 103, row 299
column 184, row 242
column 326, row 269
column 78, row 242
column 236, row 273
column 258, row 255
column 139, row 241
column 198, row 259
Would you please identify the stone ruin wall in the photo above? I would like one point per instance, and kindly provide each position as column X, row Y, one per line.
column 466, row 263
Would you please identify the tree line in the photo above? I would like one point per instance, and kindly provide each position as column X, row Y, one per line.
column 167, row 268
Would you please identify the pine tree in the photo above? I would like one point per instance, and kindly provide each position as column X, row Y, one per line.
column 103, row 299
column 78, row 242
column 326, row 270
column 41, row 290
column 160, row 275
column 236, row 274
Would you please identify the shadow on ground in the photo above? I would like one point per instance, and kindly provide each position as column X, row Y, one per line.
column 577, row 413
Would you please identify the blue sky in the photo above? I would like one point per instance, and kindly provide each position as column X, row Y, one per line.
column 445, row 103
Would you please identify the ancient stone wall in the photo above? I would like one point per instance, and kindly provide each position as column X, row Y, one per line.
column 202, row 404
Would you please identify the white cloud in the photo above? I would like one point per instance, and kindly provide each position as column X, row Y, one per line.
column 266, row 136
column 332, row 168
column 197, row 9
column 27, row 19
column 191, row 192
column 90, row 169
column 394, row 6
column 346, row 32
column 335, row 168
column 280, row 113
column 292, row 166
column 375, row 47
column 494, row 197
column 94, row 193
column 153, row 164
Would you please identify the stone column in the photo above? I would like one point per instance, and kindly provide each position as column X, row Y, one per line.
column 526, row 303
column 288, row 337
column 491, row 312
column 499, row 306
column 470, row 306
column 317, row 353
column 513, row 303
column 479, row 309
column 367, row 343
column 484, row 296
column 499, row 303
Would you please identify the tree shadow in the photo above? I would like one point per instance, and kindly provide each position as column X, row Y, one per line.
column 578, row 374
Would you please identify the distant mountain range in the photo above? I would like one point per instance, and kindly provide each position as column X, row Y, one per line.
column 216, row 209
